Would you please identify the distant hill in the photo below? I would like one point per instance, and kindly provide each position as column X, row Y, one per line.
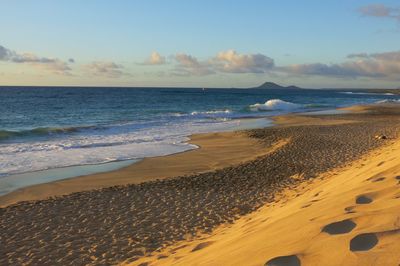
column 274, row 86
column 393, row 91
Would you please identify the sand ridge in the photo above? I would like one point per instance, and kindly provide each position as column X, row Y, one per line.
column 323, row 233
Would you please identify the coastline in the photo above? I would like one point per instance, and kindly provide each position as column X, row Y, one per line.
column 240, row 149
column 316, row 222
column 237, row 148
column 216, row 151
column 135, row 222
column 102, row 176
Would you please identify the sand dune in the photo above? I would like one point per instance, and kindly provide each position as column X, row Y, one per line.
column 349, row 216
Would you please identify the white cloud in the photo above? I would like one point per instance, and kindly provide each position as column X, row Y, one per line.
column 55, row 65
column 380, row 11
column 232, row 62
column 105, row 69
column 378, row 65
column 155, row 59
column 224, row 62
column 190, row 65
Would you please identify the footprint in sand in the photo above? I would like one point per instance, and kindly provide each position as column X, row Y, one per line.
column 350, row 209
column 363, row 242
column 337, row 228
column 291, row 260
column 362, row 199
column 317, row 194
column 178, row 248
column 376, row 178
column 202, row 245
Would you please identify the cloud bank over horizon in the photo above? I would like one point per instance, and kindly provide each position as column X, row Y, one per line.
column 104, row 69
column 224, row 62
column 54, row 65
column 385, row 65
column 375, row 65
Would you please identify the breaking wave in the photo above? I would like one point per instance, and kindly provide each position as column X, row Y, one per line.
column 41, row 131
column 274, row 105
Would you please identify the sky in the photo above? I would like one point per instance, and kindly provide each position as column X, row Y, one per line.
column 208, row 43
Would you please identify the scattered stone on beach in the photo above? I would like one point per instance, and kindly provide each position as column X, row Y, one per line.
column 291, row 260
column 380, row 137
column 341, row 227
column 363, row 242
column 112, row 225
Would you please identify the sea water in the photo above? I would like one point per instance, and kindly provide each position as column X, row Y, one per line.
column 54, row 127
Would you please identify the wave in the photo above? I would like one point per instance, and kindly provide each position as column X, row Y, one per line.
column 366, row 93
column 226, row 111
column 388, row 101
column 41, row 131
column 93, row 147
column 274, row 105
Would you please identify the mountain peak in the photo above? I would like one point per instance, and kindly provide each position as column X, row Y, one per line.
column 272, row 85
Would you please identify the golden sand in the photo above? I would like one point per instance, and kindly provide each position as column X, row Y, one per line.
column 350, row 216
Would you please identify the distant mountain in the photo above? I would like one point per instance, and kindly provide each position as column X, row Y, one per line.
column 274, row 86
column 393, row 91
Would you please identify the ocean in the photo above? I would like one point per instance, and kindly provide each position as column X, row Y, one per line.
column 54, row 127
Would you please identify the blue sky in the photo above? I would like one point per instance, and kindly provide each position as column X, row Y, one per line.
column 200, row 43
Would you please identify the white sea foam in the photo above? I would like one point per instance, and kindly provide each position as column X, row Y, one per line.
column 389, row 101
column 226, row 111
column 366, row 93
column 274, row 105
column 118, row 143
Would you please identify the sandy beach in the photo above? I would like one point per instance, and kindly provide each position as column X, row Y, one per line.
column 217, row 150
column 346, row 216
column 314, row 189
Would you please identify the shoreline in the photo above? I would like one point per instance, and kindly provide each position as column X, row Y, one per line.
column 60, row 174
column 128, row 223
column 64, row 173
column 115, row 177
column 315, row 221
column 172, row 165
column 80, row 182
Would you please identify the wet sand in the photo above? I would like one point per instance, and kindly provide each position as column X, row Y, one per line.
column 217, row 150
column 129, row 222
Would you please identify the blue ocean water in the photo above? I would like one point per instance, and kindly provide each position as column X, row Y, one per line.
column 51, row 127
